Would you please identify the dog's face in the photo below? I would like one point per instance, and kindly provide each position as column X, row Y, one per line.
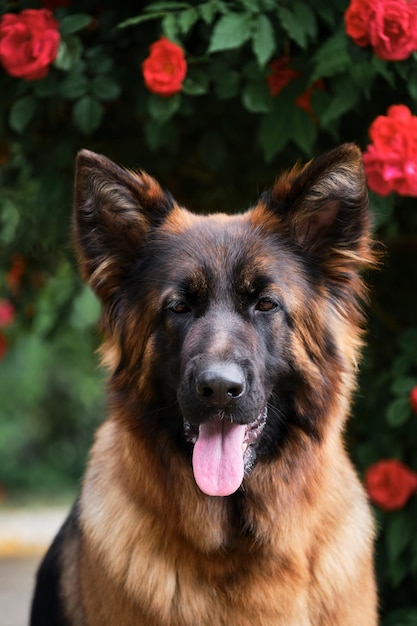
column 225, row 290
column 225, row 330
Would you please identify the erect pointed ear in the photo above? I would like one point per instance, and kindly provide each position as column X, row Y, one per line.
column 325, row 209
column 114, row 210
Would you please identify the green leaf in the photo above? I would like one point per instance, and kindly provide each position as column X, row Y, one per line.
column 299, row 22
column 69, row 53
column 363, row 74
column 263, row 40
column 196, row 83
column 46, row 87
column 401, row 365
column 74, row 23
column 251, row 5
column 231, row 31
column 21, row 112
column 227, row 87
column 169, row 5
column 398, row 412
column 320, row 101
column 275, row 130
column 399, row 532
column 170, row 27
column 408, row 342
column 304, row 131
column 256, row 97
column 345, row 99
column 403, row 385
column 338, row 107
column 384, row 69
column 397, row 572
column 326, row 11
column 161, row 109
column 99, row 60
column 9, row 220
column 250, row 70
column 187, row 19
column 332, row 57
column 208, row 11
column 105, row 88
column 226, row 81
column 412, row 85
column 138, row 19
column 382, row 207
column 154, row 134
column 73, row 86
column 87, row 114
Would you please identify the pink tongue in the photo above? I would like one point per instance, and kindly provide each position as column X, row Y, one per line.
column 218, row 457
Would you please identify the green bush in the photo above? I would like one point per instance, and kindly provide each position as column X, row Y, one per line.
column 250, row 87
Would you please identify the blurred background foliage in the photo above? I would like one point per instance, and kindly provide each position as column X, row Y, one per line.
column 238, row 117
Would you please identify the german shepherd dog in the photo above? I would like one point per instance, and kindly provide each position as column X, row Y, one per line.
column 219, row 491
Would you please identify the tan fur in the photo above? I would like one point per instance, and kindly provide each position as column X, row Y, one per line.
column 304, row 559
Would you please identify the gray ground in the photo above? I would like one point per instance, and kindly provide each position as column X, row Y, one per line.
column 17, row 575
column 24, row 537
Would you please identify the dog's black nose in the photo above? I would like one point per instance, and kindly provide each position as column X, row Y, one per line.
column 220, row 385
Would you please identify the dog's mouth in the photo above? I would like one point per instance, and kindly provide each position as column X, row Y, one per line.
column 223, row 451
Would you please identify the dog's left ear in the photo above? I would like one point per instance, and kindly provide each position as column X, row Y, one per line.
column 114, row 210
column 324, row 206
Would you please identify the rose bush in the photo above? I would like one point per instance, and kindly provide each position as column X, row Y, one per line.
column 390, row 484
column 390, row 26
column 29, row 43
column 165, row 68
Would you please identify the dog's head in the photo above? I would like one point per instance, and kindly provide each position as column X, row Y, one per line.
column 231, row 333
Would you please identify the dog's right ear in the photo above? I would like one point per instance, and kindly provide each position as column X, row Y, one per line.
column 114, row 210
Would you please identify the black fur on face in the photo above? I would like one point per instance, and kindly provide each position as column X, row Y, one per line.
column 229, row 312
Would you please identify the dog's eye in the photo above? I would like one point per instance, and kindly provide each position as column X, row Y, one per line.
column 179, row 307
column 266, row 304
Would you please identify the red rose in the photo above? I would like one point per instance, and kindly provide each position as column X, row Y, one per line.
column 357, row 18
column 29, row 42
column 392, row 29
column 165, row 68
column 390, row 173
column 7, row 313
column 391, row 160
column 413, row 399
column 375, row 167
column 395, row 132
column 388, row 25
column 281, row 76
column 390, row 484
column 3, row 345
